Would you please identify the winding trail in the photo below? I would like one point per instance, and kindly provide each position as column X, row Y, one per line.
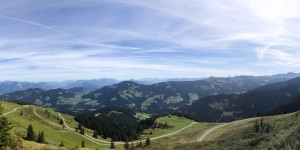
column 68, row 128
column 14, row 110
column 210, row 130
column 173, row 132
column 118, row 143
column 88, row 137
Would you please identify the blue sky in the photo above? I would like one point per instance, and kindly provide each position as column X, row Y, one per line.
column 56, row 40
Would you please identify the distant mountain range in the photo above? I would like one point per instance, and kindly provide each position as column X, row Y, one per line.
column 169, row 96
column 196, row 98
column 12, row 86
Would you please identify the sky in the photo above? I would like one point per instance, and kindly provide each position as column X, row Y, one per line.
column 56, row 40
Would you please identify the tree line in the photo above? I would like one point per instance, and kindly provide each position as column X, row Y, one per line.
column 120, row 127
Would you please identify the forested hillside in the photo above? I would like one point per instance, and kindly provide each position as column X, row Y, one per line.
column 231, row 107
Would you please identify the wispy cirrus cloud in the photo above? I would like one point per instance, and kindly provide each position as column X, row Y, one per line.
column 81, row 39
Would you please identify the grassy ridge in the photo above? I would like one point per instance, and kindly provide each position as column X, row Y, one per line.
column 53, row 135
column 175, row 123
column 185, row 137
column 284, row 134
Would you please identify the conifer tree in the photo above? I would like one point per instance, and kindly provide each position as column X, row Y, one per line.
column 82, row 131
column 30, row 133
column 5, row 137
column 166, row 125
column 95, row 135
column 112, row 145
column 61, row 144
column 126, row 145
column 79, row 127
column 83, row 144
column 61, row 121
column 147, row 141
column 41, row 137
column 132, row 146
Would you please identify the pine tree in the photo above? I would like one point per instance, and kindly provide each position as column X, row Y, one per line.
column 21, row 113
column 112, row 145
column 61, row 144
column 104, row 134
column 140, row 144
column 126, row 145
column 41, row 137
column 61, row 121
column 147, row 141
column 30, row 133
column 82, row 131
column 132, row 146
column 79, row 127
column 82, row 144
column 95, row 135
column 5, row 137
column 166, row 125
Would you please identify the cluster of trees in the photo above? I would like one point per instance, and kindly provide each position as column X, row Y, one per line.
column 119, row 126
column 126, row 145
column 32, row 137
column 160, row 125
column 80, row 129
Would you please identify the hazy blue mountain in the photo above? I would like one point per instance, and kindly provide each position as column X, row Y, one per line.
column 149, row 81
column 12, row 86
column 87, row 84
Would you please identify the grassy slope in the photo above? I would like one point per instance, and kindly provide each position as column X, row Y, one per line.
column 175, row 123
column 143, row 116
column 69, row 120
column 285, row 134
column 54, row 135
column 186, row 136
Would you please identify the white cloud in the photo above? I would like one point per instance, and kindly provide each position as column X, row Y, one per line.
column 125, row 39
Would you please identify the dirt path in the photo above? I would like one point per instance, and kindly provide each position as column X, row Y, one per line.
column 14, row 110
column 88, row 137
column 67, row 128
column 207, row 132
column 118, row 143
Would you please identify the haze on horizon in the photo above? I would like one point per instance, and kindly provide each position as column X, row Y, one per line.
column 58, row 40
